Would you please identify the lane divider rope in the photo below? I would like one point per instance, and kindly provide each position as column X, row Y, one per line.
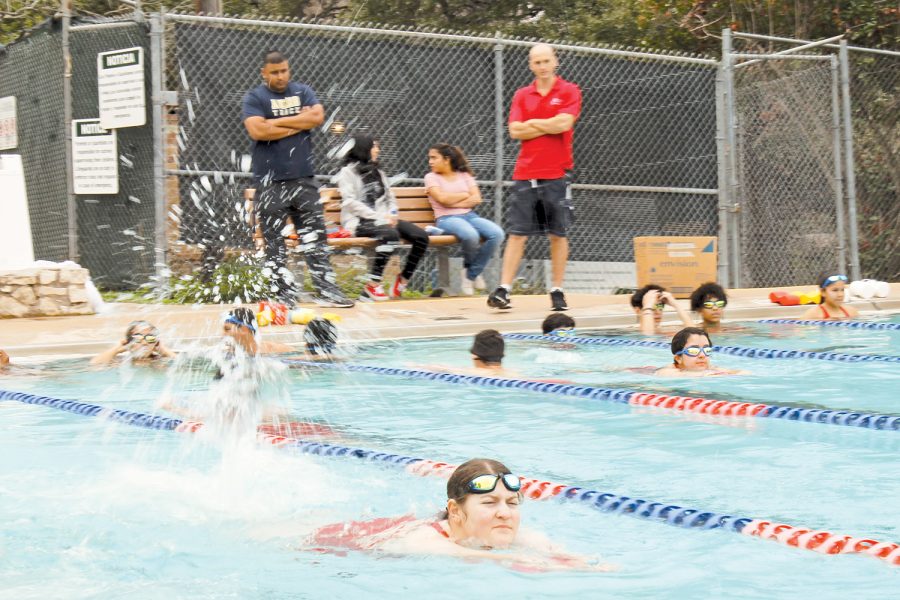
column 850, row 324
column 745, row 351
column 707, row 406
column 823, row 542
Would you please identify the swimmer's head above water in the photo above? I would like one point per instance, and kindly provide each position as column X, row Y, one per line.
column 320, row 337
column 488, row 348
column 691, row 349
column 4, row 358
column 558, row 323
column 142, row 340
column 483, row 503
column 709, row 301
column 240, row 325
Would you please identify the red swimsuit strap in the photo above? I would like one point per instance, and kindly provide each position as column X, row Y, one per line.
column 824, row 312
column 437, row 527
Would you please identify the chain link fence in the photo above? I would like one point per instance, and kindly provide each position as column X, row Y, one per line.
column 647, row 121
column 645, row 144
column 875, row 92
column 788, row 195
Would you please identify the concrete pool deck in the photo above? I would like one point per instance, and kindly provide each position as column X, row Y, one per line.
column 426, row 317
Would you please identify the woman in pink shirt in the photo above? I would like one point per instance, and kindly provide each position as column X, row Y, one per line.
column 453, row 193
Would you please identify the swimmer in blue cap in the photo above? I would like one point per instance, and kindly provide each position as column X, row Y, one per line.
column 240, row 327
column 831, row 301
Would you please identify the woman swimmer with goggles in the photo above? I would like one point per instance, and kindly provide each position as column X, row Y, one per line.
column 481, row 521
column 142, row 344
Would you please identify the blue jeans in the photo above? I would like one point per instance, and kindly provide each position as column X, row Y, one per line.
column 470, row 229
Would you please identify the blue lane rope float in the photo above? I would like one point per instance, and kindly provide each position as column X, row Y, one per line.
column 819, row 541
column 708, row 406
column 732, row 350
column 849, row 324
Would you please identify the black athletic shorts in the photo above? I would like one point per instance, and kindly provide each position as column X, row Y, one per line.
column 541, row 206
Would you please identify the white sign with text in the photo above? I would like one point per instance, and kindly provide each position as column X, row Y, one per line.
column 120, row 88
column 95, row 158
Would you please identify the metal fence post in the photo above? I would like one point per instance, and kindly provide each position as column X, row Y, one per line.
column 499, row 139
column 724, row 273
column 157, row 66
column 71, row 208
column 844, row 59
column 731, row 144
column 838, row 174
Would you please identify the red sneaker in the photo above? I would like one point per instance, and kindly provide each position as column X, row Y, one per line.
column 398, row 288
column 374, row 292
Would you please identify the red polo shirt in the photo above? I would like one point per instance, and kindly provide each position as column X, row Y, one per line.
column 546, row 156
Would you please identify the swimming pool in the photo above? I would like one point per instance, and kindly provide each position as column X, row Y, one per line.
column 99, row 509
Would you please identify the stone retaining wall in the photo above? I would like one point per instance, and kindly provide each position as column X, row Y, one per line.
column 44, row 292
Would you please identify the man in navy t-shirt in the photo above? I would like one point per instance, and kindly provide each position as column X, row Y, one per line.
column 279, row 115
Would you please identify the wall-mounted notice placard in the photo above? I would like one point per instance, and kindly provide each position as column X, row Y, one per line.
column 120, row 88
column 95, row 159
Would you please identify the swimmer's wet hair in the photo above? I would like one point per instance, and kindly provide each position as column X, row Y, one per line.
column 705, row 292
column 320, row 336
column 488, row 346
column 134, row 325
column 680, row 339
column 637, row 298
column 556, row 321
column 458, row 484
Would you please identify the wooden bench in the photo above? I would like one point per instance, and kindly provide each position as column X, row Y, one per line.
column 412, row 206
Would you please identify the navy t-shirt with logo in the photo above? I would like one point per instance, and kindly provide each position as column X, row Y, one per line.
column 290, row 157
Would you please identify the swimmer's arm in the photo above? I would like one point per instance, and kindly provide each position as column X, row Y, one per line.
column 274, row 348
column 107, row 356
column 669, row 299
column 165, row 352
column 851, row 311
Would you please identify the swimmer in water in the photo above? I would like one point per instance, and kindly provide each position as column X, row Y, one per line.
column 709, row 301
column 558, row 324
column 320, row 340
column 648, row 304
column 240, row 329
column 142, row 344
column 691, row 349
column 4, row 361
column 487, row 350
column 831, row 302
column 481, row 520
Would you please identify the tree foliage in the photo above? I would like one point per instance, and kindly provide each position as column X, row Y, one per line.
column 683, row 25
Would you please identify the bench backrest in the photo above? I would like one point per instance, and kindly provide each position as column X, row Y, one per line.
column 412, row 205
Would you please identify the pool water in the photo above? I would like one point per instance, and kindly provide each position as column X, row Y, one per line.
column 99, row 509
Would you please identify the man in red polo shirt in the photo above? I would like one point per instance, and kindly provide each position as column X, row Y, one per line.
column 542, row 117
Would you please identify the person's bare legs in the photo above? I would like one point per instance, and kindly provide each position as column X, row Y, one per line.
column 559, row 256
column 512, row 256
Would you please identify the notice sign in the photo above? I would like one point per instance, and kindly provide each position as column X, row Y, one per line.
column 120, row 88
column 8, row 134
column 95, row 159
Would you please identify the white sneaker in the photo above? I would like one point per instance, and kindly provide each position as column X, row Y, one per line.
column 465, row 284
column 479, row 283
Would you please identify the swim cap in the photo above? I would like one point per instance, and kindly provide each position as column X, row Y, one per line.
column 243, row 317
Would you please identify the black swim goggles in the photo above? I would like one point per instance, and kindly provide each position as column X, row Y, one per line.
column 485, row 484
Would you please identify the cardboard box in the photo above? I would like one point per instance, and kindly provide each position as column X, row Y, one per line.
column 679, row 264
